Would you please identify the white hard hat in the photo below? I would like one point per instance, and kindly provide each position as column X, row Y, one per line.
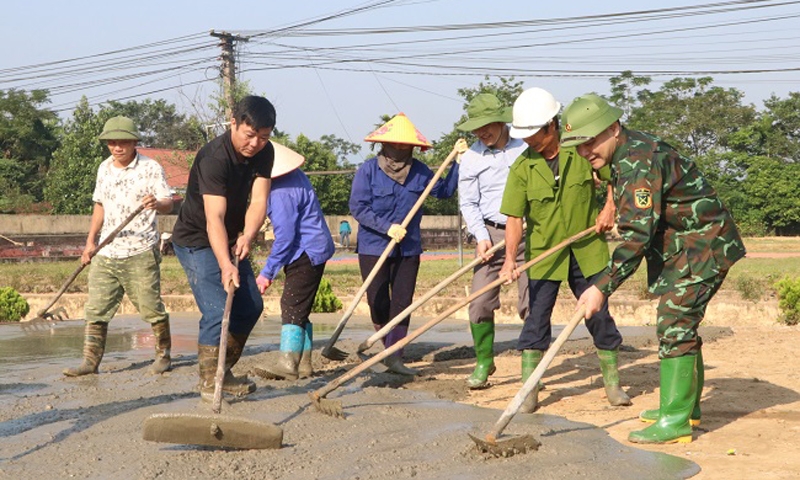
column 533, row 109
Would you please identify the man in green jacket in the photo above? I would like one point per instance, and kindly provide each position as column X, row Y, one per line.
column 554, row 190
column 671, row 216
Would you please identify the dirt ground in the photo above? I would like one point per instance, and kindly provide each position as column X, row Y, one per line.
column 751, row 405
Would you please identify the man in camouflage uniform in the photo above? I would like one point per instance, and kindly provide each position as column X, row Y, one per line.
column 670, row 215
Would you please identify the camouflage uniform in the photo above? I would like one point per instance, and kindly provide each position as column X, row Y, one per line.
column 670, row 215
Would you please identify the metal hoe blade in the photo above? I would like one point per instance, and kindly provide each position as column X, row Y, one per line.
column 507, row 447
column 331, row 408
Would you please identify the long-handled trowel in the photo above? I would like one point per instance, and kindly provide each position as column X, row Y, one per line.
column 506, row 447
column 215, row 429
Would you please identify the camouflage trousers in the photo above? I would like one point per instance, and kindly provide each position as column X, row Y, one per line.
column 110, row 279
column 680, row 312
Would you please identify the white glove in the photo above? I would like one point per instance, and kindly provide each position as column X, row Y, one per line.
column 397, row 232
column 461, row 148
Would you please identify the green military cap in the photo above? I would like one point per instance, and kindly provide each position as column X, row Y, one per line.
column 119, row 128
column 585, row 118
column 484, row 109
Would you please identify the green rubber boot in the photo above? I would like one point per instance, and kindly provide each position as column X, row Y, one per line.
column 94, row 345
column 305, row 369
column 530, row 360
column 483, row 337
column 678, row 391
column 651, row 416
column 609, row 365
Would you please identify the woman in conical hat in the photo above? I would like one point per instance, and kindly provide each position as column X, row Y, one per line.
column 385, row 189
column 302, row 246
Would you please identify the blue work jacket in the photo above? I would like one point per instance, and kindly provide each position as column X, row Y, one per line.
column 377, row 202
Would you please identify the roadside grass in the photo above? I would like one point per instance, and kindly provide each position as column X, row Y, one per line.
column 750, row 276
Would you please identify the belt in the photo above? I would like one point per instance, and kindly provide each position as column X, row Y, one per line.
column 499, row 226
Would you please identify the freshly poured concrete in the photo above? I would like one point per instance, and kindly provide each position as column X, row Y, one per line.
column 90, row 427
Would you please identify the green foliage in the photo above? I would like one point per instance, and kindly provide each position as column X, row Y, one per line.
column 70, row 181
column 692, row 114
column 12, row 306
column 789, row 300
column 327, row 154
column 160, row 124
column 751, row 288
column 627, row 92
column 326, row 301
column 27, row 140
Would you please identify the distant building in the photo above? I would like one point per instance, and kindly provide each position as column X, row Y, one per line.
column 177, row 164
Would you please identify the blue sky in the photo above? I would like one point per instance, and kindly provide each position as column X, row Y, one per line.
column 319, row 87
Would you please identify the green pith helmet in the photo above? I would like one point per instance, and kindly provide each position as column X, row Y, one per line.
column 119, row 128
column 585, row 118
column 483, row 110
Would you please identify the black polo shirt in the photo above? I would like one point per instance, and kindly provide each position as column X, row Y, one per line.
column 217, row 171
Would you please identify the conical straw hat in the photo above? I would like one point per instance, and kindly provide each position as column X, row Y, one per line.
column 399, row 130
column 286, row 160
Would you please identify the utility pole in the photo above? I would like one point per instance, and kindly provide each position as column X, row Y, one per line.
column 226, row 43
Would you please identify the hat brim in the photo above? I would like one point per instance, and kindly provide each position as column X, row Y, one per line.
column 521, row 133
column 117, row 135
column 286, row 160
column 597, row 126
column 478, row 122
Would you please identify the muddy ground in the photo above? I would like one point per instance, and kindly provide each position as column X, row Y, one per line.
column 55, row 427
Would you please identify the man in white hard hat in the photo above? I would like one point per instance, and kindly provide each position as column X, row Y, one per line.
column 554, row 189
column 481, row 181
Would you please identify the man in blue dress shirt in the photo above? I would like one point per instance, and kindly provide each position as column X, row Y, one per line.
column 481, row 182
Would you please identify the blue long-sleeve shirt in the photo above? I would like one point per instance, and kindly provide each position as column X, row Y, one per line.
column 377, row 202
column 298, row 223
column 481, row 182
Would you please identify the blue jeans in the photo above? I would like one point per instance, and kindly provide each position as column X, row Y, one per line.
column 205, row 278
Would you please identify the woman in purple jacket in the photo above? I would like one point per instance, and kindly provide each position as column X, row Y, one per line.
column 385, row 189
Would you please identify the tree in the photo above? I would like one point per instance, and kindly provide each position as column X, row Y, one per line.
column 27, row 140
column 693, row 115
column 160, row 124
column 70, row 181
column 328, row 154
column 627, row 92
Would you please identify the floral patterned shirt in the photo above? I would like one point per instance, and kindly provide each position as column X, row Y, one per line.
column 120, row 191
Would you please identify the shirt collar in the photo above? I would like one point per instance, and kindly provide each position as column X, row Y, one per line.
column 511, row 143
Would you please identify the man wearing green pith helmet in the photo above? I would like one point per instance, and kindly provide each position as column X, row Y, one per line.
column 669, row 215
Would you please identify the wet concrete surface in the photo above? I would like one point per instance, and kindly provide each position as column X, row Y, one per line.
column 395, row 427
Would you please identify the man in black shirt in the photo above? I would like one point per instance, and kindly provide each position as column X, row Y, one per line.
column 215, row 221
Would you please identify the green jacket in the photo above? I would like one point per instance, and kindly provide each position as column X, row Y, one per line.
column 668, row 214
column 555, row 212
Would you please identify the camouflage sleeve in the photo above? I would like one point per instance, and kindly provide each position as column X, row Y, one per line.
column 638, row 198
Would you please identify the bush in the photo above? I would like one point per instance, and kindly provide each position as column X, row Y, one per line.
column 12, row 306
column 789, row 300
column 751, row 288
column 326, row 301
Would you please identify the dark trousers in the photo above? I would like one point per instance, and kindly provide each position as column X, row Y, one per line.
column 392, row 289
column 537, row 333
column 299, row 290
